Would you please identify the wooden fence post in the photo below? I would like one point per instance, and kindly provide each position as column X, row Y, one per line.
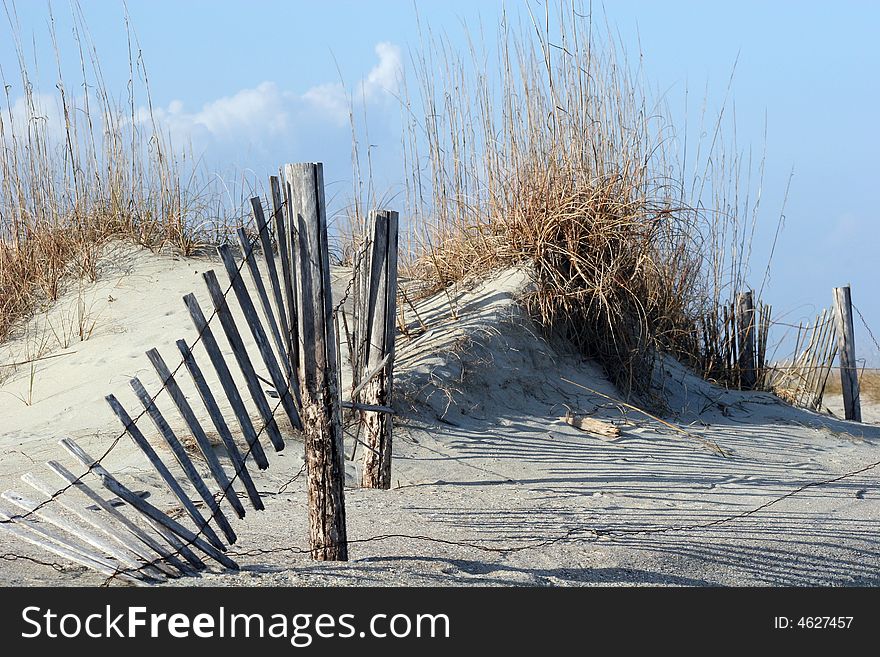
column 380, row 307
column 317, row 363
column 746, row 337
column 849, row 375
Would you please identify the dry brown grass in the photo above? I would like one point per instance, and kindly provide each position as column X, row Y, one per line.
column 77, row 171
column 869, row 385
column 552, row 154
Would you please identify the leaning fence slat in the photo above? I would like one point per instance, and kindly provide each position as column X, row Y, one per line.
column 220, row 425
column 132, row 554
column 288, row 319
column 266, row 243
column 286, row 391
column 195, row 427
column 48, row 540
column 358, row 406
column 196, row 563
column 183, row 460
column 119, row 550
column 179, row 546
column 244, row 361
column 160, row 467
column 226, row 381
column 46, row 515
column 813, row 373
column 147, row 509
column 317, row 364
column 249, row 257
column 166, row 556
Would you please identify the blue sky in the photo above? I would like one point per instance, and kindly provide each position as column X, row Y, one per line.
column 252, row 84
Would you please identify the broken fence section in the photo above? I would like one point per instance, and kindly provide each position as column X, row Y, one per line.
column 94, row 520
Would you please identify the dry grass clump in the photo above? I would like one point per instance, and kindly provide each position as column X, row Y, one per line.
column 869, row 385
column 561, row 161
column 77, row 171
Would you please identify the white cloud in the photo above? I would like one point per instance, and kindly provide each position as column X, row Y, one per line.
column 266, row 112
column 386, row 75
column 329, row 98
column 262, row 111
column 383, row 79
column 265, row 120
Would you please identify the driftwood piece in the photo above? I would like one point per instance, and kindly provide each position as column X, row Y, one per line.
column 604, row 430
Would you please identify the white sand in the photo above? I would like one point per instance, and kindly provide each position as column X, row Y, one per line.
column 490, row 486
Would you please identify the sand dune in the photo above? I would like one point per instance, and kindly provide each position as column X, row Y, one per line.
column 491, row 486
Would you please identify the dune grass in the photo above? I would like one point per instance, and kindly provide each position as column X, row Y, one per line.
column 78, row 169
column 543, row 149
column 547, row 149
column 869, row 385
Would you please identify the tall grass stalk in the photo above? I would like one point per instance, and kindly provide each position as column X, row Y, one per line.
column 548, row 150
column 78, row 168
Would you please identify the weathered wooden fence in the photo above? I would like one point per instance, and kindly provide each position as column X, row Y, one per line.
column 849, row 374
column 375, row 313
column 293, row 328
column 801, row 379
column 735, row 343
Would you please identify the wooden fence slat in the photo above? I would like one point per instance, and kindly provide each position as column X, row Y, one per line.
column 281, row 384
column 48, row 540
column 746, row 338
column 166, row 556
column 282, row 232
column 381, row 310
column 227, row 382
column 45, row 514
column 172, row 483
column 849, row 375
column 179, row 546
column 266, row 243
column 244, row 361
column 317, row 364
column 147, row 509
column 813, row 373
column 119, row 549
column 249, row 258
column 220, row 425
column 183, row 460
column 186, row 412
column 132, row 554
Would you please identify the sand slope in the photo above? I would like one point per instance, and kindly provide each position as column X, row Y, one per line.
column 491, row 486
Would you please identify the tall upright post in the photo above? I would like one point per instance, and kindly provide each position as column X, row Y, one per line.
column 317, row 362
column 380, row 308
column 746, row 337
column 846, row 342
